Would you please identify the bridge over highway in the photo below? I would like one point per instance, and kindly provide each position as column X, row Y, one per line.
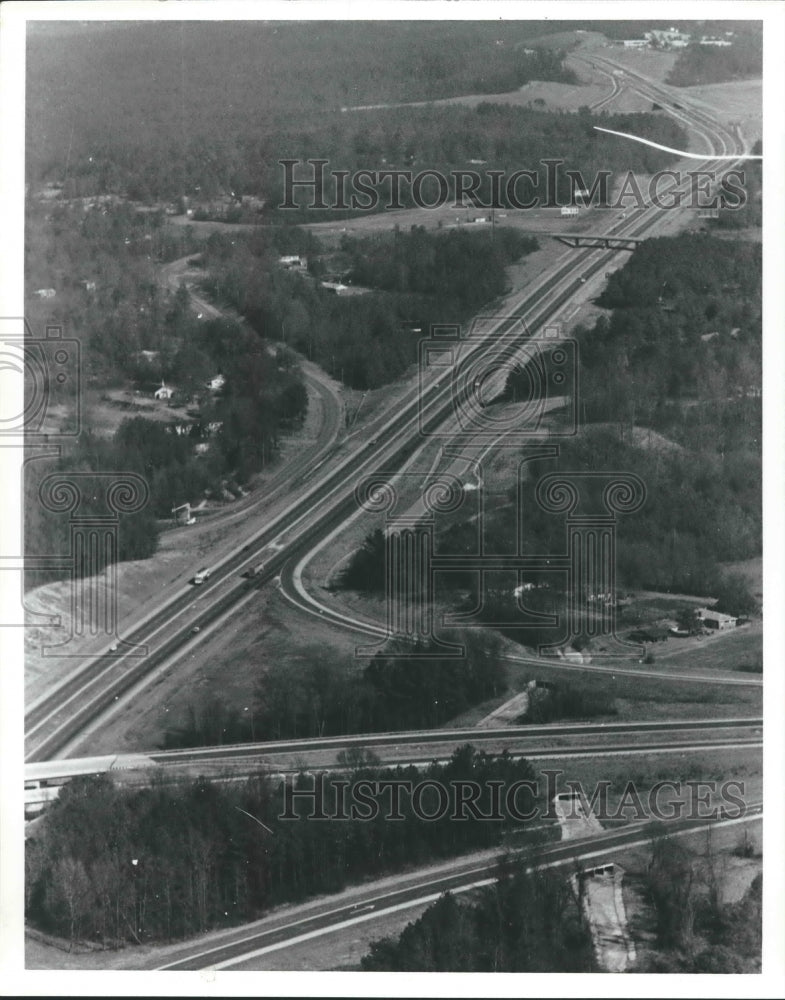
column 601, row 241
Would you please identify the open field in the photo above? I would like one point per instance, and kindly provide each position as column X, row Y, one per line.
column 656, row 64
column 223, row 667
column 723, row 651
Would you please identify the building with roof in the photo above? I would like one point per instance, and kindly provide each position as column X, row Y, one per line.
column 715, row 619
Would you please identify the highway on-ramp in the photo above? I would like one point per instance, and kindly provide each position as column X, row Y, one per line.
column 57, row 720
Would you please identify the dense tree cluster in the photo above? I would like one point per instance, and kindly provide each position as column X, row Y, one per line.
column 366, row 568
column 526, row 922
column 182, row 116
column 568, row 701
column 452, row 138
column 700, row 510
column 316, row 695
column 117, row 865
column 208, row 140
column 751, row 213
column 695, row 930
column 417, row 278
column 702, row 64
column 459, row 271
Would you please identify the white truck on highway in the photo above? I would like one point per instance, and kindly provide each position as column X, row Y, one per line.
column 201, row 575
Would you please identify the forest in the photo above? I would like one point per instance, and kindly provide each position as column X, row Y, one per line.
column 117, row 865
column 684, row 343
column 182, row 115
column 448, row 138
column 525, row 922
column 702, row 64
column 412, row 279
column 696, row 931
column 135, row 334
column 683, row 412
column 533, row 922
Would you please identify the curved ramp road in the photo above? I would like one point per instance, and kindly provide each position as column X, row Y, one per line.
column 90, row 692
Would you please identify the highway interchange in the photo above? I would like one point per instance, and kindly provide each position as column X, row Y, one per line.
column 58, row 722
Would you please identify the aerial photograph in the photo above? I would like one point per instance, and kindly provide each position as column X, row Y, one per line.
column 392, row 493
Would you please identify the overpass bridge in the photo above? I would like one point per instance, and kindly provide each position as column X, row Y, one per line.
column 601, row 241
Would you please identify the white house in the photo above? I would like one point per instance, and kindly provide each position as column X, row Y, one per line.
column 715, row 619
column 164, row 391
column 45, row 293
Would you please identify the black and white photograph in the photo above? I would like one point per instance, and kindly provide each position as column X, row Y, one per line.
column 392, row 488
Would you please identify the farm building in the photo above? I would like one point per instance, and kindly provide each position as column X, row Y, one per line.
column 715, row 619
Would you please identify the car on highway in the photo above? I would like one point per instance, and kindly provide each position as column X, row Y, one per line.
column 201, row 576
column 252, row 571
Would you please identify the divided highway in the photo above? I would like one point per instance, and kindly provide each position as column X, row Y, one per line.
column 58, row 718
column 314, row 920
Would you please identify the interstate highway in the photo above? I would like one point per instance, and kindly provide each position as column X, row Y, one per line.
column 555, row 741
column 57, row 719
column 312, row 920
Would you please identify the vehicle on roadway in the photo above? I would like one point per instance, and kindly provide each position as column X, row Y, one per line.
column 201, row 576
column 253, row 571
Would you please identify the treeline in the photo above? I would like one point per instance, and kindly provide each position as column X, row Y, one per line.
column 702, row 64
column 696, row 932
column 316, row 695
column 118, row 865
column 685, row 327
column 560, row 700
column 104, row 264
column 452, row 138
column 533, row 922
column 182, row 115
column 419, row 278
column 700, row 509
column 458, row 271
column 751, row 213
column 525, row 922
